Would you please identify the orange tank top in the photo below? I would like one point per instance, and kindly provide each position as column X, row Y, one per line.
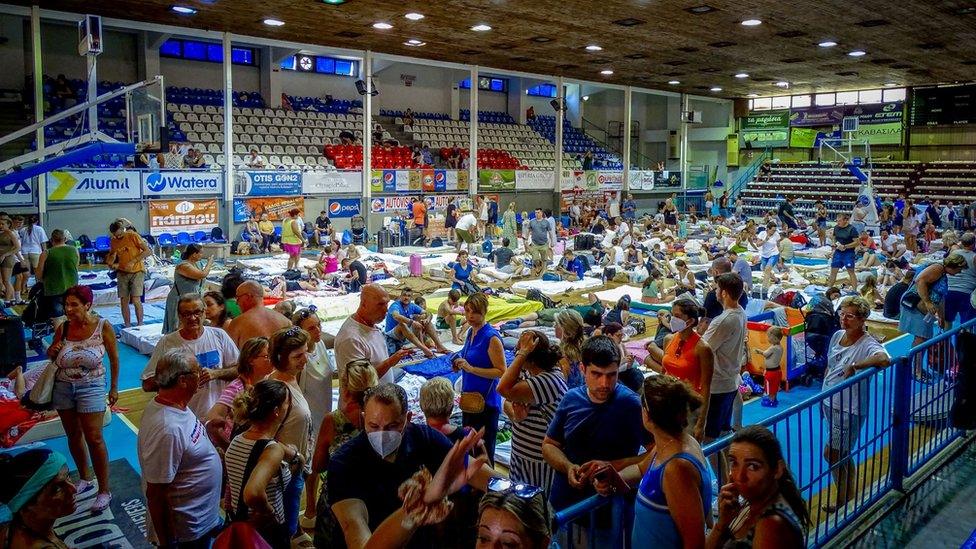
column 681, row 360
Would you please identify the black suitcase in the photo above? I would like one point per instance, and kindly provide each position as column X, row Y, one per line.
column 583, row 242
column 384, row 240
column 13, row 344
column 416, row 236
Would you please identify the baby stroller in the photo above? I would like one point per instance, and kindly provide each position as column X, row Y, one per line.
column 37, row 315
column 821, row 323
column 358, row 227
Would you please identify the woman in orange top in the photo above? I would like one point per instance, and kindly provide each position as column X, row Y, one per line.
column 685, row 355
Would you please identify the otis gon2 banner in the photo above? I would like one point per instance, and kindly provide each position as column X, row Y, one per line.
column 175, row 216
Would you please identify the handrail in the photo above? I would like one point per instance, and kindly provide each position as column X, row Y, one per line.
column 750, row 172
column 81, row 107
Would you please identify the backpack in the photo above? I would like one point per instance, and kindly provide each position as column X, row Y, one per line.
column 486, row 247
column 536, row 295
column 637, row 324
column 437, row 242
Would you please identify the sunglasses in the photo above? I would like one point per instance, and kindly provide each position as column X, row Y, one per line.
column 524, row 491
column 305, row 313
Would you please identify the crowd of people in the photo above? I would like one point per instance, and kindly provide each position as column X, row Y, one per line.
column 242, row 432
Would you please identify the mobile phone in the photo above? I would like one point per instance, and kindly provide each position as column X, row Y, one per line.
column 603, row 475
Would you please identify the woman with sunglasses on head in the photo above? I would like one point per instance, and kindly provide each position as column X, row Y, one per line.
column 337, row 428
column 253, row 365
column 259, row 467
column 674, row 486
column 36, row 492
column 533, row 386
column 289, row 357
column 760, row 506
column 685, row 355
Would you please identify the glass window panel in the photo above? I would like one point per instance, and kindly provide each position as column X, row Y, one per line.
column 242, row 56
column 800, row 101
column 171, row 48
column 763, row 103
column 824, row 99
column 215, row 53
column 869, row 96
column 846, row 98
column 288, row 64
column 345, row 68
column 325, row 65
column 894, row 94
column 196, row 51
column 781, row 102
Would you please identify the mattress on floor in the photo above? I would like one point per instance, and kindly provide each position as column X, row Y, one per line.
column 613, row 295
column 330, row 308
column 142, row 338
column 273, row 265
column 498, row 309
column 51, row 428
column 152, row 313
column 554, row 288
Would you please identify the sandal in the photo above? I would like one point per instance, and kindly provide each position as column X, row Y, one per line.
column 102, row 501
column 306, row 523
column 302, row 541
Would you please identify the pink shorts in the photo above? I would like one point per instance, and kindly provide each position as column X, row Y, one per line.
column 292, row 249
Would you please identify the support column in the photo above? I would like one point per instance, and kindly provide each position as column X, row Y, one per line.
column 683, row 148
column 228, row 135
column 628, row 114
column 473, row 133
column 40, row 181
column 558, row 149
column 367, row 135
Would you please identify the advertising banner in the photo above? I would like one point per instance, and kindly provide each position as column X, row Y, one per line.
column 83, row 186
column 17, row 193
column 579, row 195
column 529, row 180
column 400, row 204
column 764, row 120
column 667, row 179
column 496, row 180
column 175, row 216
column 427, row 181
column 765, row 138
column 572, row 179
column 732, row 149
column 803, row 137
column 889, row 133
column 268, row 183
column 878, row 113
column 332, row 182
column 414, row 179
column 167, row 183
column 343, row 207
column 401, row 179
column 605, row 181
column 440, row 181
column 641, row 180
column 275, row 206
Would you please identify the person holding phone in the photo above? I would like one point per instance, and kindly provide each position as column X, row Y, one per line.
column 761, row 505
column 672, row 479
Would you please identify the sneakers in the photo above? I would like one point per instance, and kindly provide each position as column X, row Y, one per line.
column 83, row 486
column 101, row 502
column 769, row 403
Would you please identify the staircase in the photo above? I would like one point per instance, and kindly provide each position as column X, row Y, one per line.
column 13, row 118
column 396, row 130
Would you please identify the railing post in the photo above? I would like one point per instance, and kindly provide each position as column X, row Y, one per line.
column 901, row 421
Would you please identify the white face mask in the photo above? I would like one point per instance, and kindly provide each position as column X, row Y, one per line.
column 677, row 324
column 385, row 442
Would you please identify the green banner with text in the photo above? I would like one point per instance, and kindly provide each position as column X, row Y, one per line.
column 766, row 120
column 803, row 137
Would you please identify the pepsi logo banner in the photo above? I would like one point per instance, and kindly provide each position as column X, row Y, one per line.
column 440, row 181
column 343, row 207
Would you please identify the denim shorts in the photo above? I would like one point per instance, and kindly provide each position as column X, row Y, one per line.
column 771, row 261
column 86, row 397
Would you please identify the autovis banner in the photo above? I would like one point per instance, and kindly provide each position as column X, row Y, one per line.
column 167, row 183
column 86, row 186
column 878, row 113
column 268, row 183
column 343, row 207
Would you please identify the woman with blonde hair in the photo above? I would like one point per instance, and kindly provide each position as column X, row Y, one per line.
column 338, row 427
column 253, row 365
column 571, row 334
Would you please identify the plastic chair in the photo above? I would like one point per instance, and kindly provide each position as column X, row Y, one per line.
column 102, row 244
column 200, row 237
column 183, row 239
column 217, row 235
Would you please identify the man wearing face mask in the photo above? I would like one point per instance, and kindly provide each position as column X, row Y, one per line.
column 366, row 473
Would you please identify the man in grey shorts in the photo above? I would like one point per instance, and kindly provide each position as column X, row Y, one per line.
column 127, row 250
column 539, row 230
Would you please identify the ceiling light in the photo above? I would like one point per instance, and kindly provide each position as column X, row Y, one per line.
column 857, row 53
column 783, row 84
column 753, row 95
column 586, row 98
column 716, row 89
column 481, row 28
column 751, row 22
column 414, row 16
column 827, row 44
column 413, row 42
column 334, row 2
column 674, row 82
column 593, row 47
column 742, row 75
column 890, row 84
column 382, row 26
column 183, row 10
column 273, row 22
column 606, row 72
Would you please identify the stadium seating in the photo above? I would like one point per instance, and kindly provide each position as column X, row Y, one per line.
column 575, row 142
column 518, row 142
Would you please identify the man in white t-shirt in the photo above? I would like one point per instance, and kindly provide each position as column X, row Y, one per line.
column 726, row 336
column 362, row 338
column 213, row 348
column 768, row 243
column 181, row 469
column 466, row 229
column 613, row 206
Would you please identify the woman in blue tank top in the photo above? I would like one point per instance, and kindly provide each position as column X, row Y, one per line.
column 674, row 486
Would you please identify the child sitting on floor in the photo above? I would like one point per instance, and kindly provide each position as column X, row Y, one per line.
column 448, row 313
column 774, row 372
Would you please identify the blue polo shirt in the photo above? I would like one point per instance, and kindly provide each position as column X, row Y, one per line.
column 575, row 266
column 396, row 307
column 587, row 431
column 356, row 471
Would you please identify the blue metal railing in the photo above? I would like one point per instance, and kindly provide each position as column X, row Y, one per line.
column 902, row 424
column 748, row 174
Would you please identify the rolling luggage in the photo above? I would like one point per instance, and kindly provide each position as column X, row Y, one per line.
column 584, row 242
column 416, row 265
column 13, row 344
column 384, row 240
